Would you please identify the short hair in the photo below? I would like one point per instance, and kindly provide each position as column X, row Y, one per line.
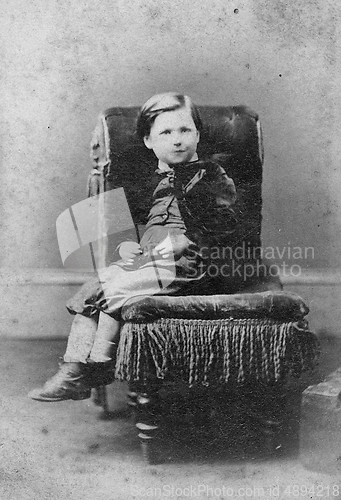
column 161, row 103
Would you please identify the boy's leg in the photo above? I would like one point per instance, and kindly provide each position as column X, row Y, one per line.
column 72, row 381
column 81, row 339
column 106, row 339
column 102, row 357
column 90, row 339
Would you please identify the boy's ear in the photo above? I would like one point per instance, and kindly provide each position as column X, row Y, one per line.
column 198, row 135
column 147, row 142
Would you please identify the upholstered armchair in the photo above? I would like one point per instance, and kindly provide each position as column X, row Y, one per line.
column 247, row 337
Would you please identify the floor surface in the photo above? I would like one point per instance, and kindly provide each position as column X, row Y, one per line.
column 68, row 451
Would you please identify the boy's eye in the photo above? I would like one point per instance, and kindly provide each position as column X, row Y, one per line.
column 183, row 130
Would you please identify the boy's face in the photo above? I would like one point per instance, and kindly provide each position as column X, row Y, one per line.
column 173, row 137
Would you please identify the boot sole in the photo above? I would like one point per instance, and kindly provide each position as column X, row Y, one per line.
column 74, row 397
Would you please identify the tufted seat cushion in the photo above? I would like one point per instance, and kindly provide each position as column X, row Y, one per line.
column 277, row 305
column 216, row 339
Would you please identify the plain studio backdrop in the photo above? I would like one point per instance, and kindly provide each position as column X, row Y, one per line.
column 64, row 62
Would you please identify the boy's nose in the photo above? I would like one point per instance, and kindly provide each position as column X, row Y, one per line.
column 177, row 140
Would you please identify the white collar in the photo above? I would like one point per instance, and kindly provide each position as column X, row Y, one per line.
column 165, row 167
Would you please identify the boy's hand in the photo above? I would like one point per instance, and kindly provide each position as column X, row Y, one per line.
column 165, row 248
column 172, row 246
column 128, row 251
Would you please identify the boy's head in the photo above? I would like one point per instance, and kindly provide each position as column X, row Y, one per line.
column 170, row 125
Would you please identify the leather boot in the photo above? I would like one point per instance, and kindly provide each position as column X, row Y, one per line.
column 101, row 373
column 70, row 382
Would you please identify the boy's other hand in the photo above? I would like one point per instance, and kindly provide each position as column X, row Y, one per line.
column 128, row 251
column 165, row 248
column 173, row 246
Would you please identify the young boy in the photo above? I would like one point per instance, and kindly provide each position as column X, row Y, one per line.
column 191, row 211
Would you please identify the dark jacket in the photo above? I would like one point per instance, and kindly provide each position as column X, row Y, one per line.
column 202, row 194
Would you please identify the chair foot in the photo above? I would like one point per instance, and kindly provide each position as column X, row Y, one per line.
column 271, row 429
column 151, row 454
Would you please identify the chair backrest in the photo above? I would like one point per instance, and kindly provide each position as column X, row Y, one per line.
column 231, row 135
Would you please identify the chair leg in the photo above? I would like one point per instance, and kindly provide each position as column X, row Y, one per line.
column 132, row 402
column 271, row 416
column 271, row 429
column 145, row 403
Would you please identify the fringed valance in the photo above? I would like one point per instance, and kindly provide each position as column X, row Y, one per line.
column 211, row 352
